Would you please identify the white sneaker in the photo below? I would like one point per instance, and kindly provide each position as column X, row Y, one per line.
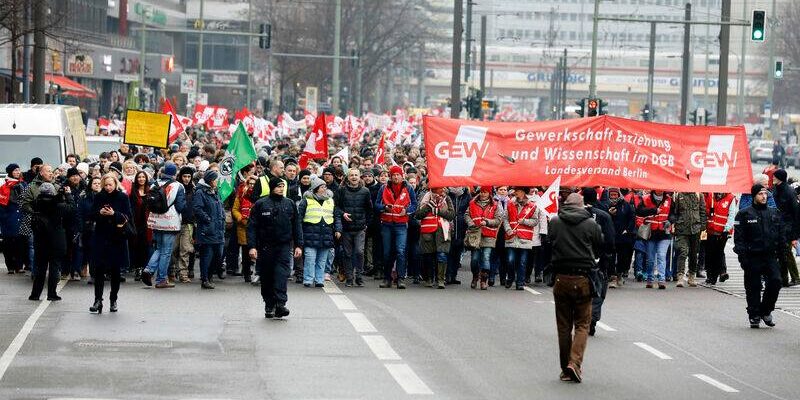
column 327, row 277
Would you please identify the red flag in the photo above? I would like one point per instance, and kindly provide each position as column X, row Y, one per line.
column 316, row 142
column 380, row 155
column 176, row 127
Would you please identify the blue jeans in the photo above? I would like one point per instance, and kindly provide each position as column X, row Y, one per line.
column 480, row 260
column 159, row 261
column 517, row 263
column 208, row 254
column 315, row 263
column 656, row 254
column 394, row 242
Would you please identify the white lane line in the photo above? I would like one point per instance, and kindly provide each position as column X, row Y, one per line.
column 605, row 327
column 331, row 288
column 380, row 347
column 407, row 379
column 529, row 290
column 713, row 382
column 342, row 302
column 653, row 351
column 552, row 302
column 360, row 323
column 8, row 356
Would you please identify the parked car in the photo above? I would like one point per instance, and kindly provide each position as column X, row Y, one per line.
column 761, row 150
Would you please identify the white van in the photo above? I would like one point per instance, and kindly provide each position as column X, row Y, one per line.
column 48, row 131
column 96, row 145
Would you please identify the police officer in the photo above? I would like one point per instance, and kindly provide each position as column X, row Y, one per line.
column 273, row 229
column 756, row 242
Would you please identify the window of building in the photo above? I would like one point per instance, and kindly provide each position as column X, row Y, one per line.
column 573, row 35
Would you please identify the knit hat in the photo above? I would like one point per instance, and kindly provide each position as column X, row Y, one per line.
column 83, row 167
column 329, row 170
column 192, row 154
column 781, row 174
column 72, row 172
column 186, row 170
column 756, row 189
column 376, row 171
column 574, row 199
column 210, row 176
column 395, row 169
column 315, row 184
column 170, row 169
column 117, row 166
column 275, row 182
column 36, row 161
column 367, row 171
column 589, row 195
column 303, row 173
column 64, row 167
column 48, row 189
column 614, row 189
column 11, row 167
column 487, row 189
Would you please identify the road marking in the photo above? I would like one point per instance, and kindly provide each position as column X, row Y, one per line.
column 343, row 303
column 713, row 382
column 653, row 351
column 8, row 356
column 407, row 379
column 605, row 327
column 360, row 323
column 529, row 290
column 331, row 288
column 552, row 302
column 380, row 347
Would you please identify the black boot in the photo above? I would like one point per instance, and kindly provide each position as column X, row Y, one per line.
column 97, row 307
column 281, row 311
column 269, row 312
column 113, row 307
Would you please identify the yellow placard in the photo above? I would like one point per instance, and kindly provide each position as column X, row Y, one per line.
column 145, row 128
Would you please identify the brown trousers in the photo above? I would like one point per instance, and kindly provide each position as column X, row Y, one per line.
column 573, row 299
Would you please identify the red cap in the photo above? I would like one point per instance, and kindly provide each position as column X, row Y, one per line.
column 395, row 169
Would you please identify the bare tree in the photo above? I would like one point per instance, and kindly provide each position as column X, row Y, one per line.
column 786, row 95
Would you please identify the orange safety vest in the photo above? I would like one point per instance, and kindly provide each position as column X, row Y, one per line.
column 524, row 232
column 479, row 214
column 429, row 224
column 718, row 212
column 656, row 221
column 392, row 205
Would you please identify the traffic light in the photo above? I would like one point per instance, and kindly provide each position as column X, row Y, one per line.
column 758, row 25
column 602, row 107
column 265, row 38
column 581, row 111
column 647, row 113
column 778, row 70
column 693, row 117
column 700, row 114
column 707, row 116
column 592, row 107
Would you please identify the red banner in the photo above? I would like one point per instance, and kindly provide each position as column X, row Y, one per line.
column 604, row 151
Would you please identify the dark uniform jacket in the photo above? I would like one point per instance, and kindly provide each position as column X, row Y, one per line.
column 758, row 232
column 274, row 221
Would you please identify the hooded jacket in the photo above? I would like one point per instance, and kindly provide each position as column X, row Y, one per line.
column 576, row 240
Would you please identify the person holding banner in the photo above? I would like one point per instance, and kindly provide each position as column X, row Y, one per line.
column 395, row 201
column 483, row 221
column 436, row 214
column 653, row 212
column 521, row 223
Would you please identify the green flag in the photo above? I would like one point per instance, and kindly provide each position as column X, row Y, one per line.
column 239, row 153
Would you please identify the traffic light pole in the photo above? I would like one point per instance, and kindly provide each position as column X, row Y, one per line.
column 483, row 56
column 770, row 70
column 455, row 78
column 593, row 72
column 337, row 38
column 685, row 84
column 249, row 48
column 651, row 65
column 724, row 50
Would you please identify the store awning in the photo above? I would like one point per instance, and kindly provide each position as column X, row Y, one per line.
column 68, row 86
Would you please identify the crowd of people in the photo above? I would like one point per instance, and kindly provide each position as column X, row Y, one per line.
column 151, row 215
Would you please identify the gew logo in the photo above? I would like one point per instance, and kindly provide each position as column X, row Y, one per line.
column 716, row 160
column 462, row 154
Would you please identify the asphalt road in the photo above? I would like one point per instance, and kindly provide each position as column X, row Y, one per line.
column 370, row 343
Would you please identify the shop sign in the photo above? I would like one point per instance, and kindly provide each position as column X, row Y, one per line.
column 80, row 64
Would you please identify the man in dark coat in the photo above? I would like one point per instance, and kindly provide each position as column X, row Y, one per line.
column 273, row 229
column 606, row 255
column 210, row 219
column 624, row 220
column 789, row 211
column 460, row 197
column 354, row 204
column 373, row 250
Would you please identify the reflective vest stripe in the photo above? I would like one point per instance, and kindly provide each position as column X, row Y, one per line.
column 316, row 212
column 478, row 214
column 524, row 232
column 429, row 224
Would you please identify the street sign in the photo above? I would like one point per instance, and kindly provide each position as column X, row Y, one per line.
column 312, row 99
column 188, row 83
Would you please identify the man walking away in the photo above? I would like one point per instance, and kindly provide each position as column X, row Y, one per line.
column 688, row 216
column 575, row 238
column 165, row 224
column 757, row 239
column 788, row 211
column 606, row 255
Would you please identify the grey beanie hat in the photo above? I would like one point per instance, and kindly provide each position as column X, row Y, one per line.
column 315, row 184
column 48, row 189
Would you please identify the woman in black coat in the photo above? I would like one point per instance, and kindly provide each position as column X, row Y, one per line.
column 51, row 207
column 111, row 210
column 85, row 220
column 139, row 244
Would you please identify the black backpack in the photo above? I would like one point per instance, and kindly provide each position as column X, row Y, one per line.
column 156, row 198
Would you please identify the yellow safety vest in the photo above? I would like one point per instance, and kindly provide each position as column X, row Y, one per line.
column 265, row 186
column 316, row 212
